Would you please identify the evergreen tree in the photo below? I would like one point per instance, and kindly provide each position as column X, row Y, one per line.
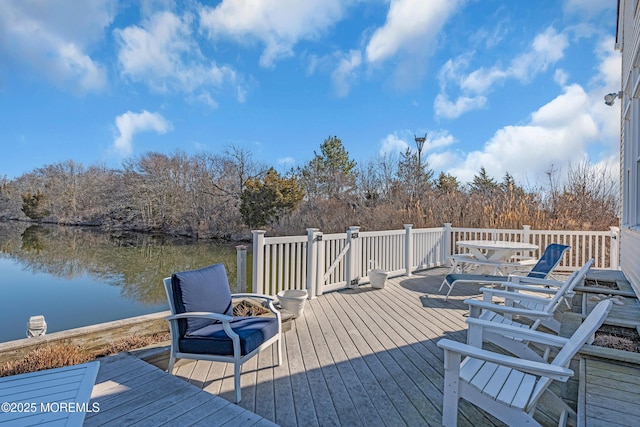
column 331, row 173
column 263, row 201
column 33, row 205
column 483, row 183
column 413, row 174
column 447, row 183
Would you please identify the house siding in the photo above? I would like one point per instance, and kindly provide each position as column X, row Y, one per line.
column 630, row 257
column 628, row 42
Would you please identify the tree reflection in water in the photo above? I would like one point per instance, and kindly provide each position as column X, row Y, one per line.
column 135, row 262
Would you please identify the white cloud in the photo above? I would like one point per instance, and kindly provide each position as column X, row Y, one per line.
column 278, row 24
column 607, row 80
column 546, row 49
column 588, row 7
column 53, row 38
column 442, row 160
column 445, row 108
column 559, row 132
column 392, row 144
column 345, row 73
column 560, row 77
column 573, row 126
column 163, row 54
column 396, row 144
column 130, row 123
column 438, row 139
column 408, row 37
column 411, row 26
column 287, row 161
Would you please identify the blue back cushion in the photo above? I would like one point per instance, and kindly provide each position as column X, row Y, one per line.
column 206, row 289
column 550, row 258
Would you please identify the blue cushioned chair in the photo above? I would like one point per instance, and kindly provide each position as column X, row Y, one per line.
column 548, row 261
column 203, row 327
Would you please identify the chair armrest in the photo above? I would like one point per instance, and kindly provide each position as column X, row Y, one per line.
column 270, row 300
column 514, row 295
column 514, row 311
column 531, row 288
column 525, row 280
column 249, row 295
column 536, row 368
column 530, row 335
column 202, row 315
column 226, row 323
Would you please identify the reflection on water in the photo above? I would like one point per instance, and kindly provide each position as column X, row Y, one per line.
column 77, row 277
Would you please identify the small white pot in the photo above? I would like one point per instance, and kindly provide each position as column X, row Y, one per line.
column 378, row 278
column 293, row 301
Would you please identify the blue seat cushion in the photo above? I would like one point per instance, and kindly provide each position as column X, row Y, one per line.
column 206, row 289
column 212, row 339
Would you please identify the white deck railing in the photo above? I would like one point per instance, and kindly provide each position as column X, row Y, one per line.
column 321, row 262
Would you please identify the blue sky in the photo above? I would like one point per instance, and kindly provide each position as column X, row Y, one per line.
column 514, row 86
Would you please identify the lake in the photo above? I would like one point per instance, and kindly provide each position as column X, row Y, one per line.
column 77, row 277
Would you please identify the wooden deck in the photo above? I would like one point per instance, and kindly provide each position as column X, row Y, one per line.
column 131, row 392
column 609, row 394
column 356, row 357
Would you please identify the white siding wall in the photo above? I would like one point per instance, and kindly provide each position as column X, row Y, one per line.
column 630, row 257
column 629, row 43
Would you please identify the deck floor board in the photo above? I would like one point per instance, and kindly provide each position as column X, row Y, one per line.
column 131, row 392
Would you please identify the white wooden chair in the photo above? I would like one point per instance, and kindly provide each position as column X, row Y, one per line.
column 526, row 307
column 507, row 387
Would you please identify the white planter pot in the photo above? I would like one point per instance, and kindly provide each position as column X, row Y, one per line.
column 378, row 278
column 293, row 301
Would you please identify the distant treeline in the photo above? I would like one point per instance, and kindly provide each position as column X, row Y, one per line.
column 226, row 195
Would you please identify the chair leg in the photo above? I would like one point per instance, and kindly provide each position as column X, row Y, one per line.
column 450, row 289
column 451, row 389
column 172, row 361
column 444, row 282
column 236, row 382
column 279, row 343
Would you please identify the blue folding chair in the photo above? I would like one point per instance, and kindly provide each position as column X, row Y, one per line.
column 545, row 265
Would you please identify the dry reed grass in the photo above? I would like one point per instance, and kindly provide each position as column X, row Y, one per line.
column 247, row 308
column 619, row 343
column 57, row 355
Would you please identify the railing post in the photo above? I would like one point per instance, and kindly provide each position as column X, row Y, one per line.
column 257, row 276
column 446, row 244
column 320, row 263
column 351, row 257
column 526, row 234
column 241, row 269
column 312, row 262
column 615, row 248
column 408, row 249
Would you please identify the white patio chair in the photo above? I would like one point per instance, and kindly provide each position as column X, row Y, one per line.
column 507, row 387
column 203, row 327
column 531, row 311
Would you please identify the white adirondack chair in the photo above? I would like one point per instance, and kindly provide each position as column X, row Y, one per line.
column 532, row 311
column 508, row 387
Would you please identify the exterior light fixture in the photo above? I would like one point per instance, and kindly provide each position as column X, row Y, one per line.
column 419, row 145
column 610, row 98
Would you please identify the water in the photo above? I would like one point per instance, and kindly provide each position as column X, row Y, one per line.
column 77, row 277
